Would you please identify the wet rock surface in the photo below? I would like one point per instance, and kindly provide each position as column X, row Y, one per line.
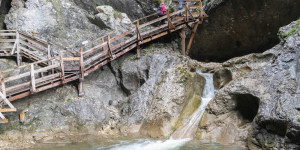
column 241, row 27
column 261, row 103
column 127, row 96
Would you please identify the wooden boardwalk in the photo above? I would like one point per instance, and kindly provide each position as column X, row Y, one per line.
column 54, row 65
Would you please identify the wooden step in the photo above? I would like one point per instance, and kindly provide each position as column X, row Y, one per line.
column 8, row 110
column 3, row 121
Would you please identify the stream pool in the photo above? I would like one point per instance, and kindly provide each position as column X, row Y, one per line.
column 139, row 144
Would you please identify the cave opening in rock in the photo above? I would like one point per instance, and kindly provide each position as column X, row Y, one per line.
column 247, row 105
column 5, row 6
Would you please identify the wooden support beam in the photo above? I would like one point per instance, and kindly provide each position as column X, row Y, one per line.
column 49, row 54
column 192, row 37
column 81, row 78
column 138, row 38
column 62, row 66
column 32, row 75
column 109, row 46
column 103, row 48
column 19, row 59
column 183, row 36
column 3, row 84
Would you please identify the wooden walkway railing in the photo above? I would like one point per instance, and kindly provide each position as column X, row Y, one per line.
column 53, row 65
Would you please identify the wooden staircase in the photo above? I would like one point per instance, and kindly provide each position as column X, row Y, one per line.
column 54, row 65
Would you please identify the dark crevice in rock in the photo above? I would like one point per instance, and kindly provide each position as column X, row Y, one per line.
column 236, row 28
column 4, row 9
column 247, row 105
column 98, row 22
column 221, row 78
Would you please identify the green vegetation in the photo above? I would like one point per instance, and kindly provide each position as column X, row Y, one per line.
column 69, row 99
column 185, row 74
column 293, row 31
column 299, row 119
column 118, row 15
column 127, row 101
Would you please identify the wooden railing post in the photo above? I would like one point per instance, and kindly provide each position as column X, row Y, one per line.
column 62, row 75
column 49, row 54
column 109, row 47
column 186, row 12
column 3, row 84
column 103, row 48
column 81, row 78
column 183, row 36
column 33, row 88
column 138, row 38
column 19, row 59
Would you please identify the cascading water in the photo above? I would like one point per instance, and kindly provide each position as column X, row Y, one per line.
column 190, row 128
column 183, row 134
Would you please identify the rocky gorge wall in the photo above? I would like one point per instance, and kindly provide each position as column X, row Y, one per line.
column 241, row 27
column 257, row 104
column 260, row 105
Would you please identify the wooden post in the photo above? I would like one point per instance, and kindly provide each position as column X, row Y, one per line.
column 192, row 37
column 33, row 89
column 186, row 12
column 49, row 54
column 138, row 39
column 3, row 84
column 81, row 78
column 19, row 59
column 103, row 48
column 62, row 75
column 108, row 45
column 183, row 36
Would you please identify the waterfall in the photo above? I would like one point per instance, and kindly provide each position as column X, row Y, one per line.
column 182, row 135
column 189, row 129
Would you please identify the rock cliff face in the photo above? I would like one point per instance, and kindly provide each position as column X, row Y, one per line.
column 128, row 96
column 241, row 27
column 260, row 105
column 258, row 99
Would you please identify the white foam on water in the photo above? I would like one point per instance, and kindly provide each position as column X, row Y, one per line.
column 146, row 144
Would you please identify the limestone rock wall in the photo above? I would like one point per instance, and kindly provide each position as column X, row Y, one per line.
column 260, row 106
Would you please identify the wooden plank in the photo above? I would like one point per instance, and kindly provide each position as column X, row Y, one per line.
column 6, row 47
column 7, row 40
column 94, row 49
column 34, row 47
column 19, row 76
column 122, row 35
column 24, row 66
column 71, row 58
column 45, row 69
column 7, row 34
column 8, row 110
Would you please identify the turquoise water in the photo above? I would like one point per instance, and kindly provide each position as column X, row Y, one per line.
column 139, row 144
